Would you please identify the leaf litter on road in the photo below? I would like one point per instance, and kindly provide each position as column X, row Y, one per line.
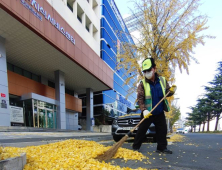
column 70, row 155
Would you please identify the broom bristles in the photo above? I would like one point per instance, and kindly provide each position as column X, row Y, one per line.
column 112, row 151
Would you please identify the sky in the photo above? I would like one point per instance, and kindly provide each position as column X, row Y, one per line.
column 191, row 87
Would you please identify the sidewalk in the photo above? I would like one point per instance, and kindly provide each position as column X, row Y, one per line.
column 33, row 136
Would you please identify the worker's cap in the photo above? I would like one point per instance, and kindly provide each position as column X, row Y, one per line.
column 148, row 64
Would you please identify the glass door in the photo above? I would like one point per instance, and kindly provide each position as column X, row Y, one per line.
column 35, row 114
column 42, row 118
column 44, row 114
column 50, row 118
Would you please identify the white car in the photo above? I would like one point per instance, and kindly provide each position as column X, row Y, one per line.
column 182, row 130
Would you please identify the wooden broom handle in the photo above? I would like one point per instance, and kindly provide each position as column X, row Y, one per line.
column 150, row 112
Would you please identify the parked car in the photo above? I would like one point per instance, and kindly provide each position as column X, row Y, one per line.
column 182, row 130
column 123, row 124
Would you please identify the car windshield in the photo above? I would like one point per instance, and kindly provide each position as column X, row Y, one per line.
column 134, row 111
column 180, row 129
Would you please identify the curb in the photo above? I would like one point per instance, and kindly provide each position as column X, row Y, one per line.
column 16, row 163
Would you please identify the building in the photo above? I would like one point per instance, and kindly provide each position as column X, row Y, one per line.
column 49, row 55
column 111, row 103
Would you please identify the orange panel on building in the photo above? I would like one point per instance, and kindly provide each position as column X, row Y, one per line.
column 20, row 85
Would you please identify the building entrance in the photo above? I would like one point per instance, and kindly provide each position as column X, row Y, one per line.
column 44, row 114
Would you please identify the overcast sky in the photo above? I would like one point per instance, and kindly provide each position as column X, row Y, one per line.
column 189, row 87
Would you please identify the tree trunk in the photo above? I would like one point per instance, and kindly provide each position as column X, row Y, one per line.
column 217, row 121
column 191, row 128
column 199, row 127
column 203, row 126
column 208, row 123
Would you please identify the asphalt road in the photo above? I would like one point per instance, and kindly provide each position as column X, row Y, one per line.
column 199, row 151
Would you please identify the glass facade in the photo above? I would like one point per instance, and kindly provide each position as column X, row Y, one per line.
column 112, row 25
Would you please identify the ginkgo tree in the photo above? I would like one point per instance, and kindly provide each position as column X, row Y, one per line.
column 169, row 32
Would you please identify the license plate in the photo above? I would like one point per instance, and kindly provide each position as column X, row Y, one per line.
column 128, row 128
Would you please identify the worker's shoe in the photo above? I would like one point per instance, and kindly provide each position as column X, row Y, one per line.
column 166, row 151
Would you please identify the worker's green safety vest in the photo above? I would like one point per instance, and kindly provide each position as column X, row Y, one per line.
column 148, row 97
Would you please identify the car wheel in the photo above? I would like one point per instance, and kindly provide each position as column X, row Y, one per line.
column 117, row 138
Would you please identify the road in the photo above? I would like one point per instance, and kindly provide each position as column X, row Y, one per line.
column 198, row 151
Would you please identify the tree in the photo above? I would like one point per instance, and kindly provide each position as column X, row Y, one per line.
column 201, row 113
column 189, row 122
column 203, row 110
column 169, row 31
column 214, row 94
column 175, row 115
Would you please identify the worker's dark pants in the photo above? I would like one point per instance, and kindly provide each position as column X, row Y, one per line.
column 161, row 131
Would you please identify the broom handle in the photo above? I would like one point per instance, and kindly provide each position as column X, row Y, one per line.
column 150, row 112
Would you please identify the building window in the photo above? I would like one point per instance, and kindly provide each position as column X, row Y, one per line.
column 80, row 20
column 23, row 72
column 70, row 6
column 80, row 13
column 35, row 77
column 87, row 28
column 88, row 23
column 18, row 70
column 95, row 6
column 70, row 92
column 51, row 84
column 10, row 67
column 27, row 74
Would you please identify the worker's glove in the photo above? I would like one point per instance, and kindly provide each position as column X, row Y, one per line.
column 173, row 88
column 146, row 114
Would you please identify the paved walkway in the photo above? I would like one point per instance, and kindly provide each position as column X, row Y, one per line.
column 21, row 139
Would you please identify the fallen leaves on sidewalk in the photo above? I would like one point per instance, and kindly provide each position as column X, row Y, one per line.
column 69, row 155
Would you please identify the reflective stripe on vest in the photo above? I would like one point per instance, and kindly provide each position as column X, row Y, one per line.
column 148, row 95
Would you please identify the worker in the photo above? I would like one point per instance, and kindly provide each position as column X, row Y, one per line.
column 149, row 92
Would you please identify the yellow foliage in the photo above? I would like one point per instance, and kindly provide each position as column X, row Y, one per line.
column 169, row 31
column 176, row 138
column 69, row 155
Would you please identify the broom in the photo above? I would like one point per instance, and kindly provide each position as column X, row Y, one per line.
column 112, row 151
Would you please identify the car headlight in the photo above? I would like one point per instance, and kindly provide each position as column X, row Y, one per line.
column 115, row 122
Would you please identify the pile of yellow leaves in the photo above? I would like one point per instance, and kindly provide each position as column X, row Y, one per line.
column 69, row 155
column 176, row 138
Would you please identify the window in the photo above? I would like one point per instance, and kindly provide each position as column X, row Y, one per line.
column 18, row 70
column 80, row 13
column 80, row 20
column 35, row 77
column 87, row 28
column 71, row 92
column 10, row 67
column 27, row 74
column 95, row 6
column 51, row 84
column 23, row 72
column 70, row 6
column 88, row 23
